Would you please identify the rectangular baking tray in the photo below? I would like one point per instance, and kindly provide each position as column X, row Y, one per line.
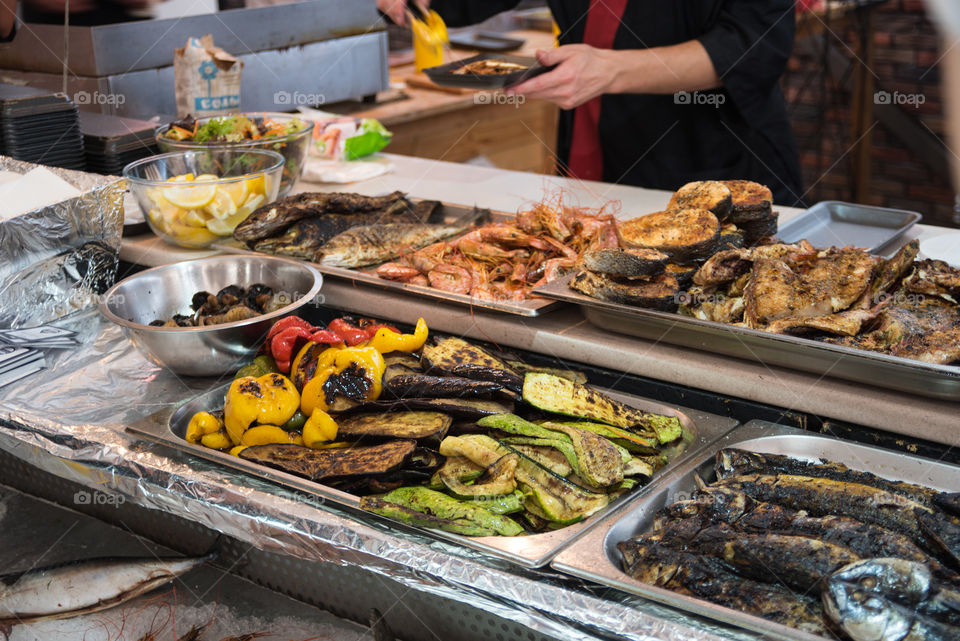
column 168, row 427
column 367, row 276
column 443, row 74
column 486, row 41
column 832, row 223
column 595, row 557
column 792, row 352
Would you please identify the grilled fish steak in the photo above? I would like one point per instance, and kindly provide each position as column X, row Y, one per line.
column 683, row 234
column 373, row 244
column 277, row 216
column 708, row 578
column 886, row 600
column 625, row 262
column 317, row 465
column 934, row 278
column 751, row 201
column 755, row 231
column 711, row 195
column 660, row 292
column 727, row 265
column 848, row 323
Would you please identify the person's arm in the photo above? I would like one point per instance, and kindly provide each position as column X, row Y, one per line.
column 8, row 20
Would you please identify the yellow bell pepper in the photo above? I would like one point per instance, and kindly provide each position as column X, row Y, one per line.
column 365, row 362
column 202, row 423
column 386, row 340
column 216, row 441
column 319, row 429
column 235, row 451
column 267, row 434
column 312, row 358
column 270, row 399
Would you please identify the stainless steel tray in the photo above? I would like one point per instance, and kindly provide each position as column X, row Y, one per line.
column 595, row 556
column 793, row 352
column 169, row 426
column 834, row 223
column 448, row 213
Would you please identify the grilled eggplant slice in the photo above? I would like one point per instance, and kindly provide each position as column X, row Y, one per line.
column 317, row 465
column 685, row 234
column 712, row 195
column 751, row 201
column 456, row 357
column 467, row 408
column 399, row 381
column 755, row 231
column 660, row 293
column 431, row 426
column 628, row 263
column 560, row 396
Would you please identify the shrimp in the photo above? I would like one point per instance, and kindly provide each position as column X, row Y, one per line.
column 450, row 278
column 396, row 271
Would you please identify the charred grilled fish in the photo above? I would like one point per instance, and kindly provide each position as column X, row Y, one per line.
column 273, row 218
column 890, row 600
column 708, row 578
column 374, row 244
column 72, row 589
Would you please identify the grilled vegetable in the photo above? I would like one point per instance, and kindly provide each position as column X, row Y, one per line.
column 411, row 516
column 467, row 408
column 399, row 381
column 270, row 399
column 625, row 262
column 202, row 423
column 266, row 434
column 498, row 479
column 683, row 234
column 405, row 425
column 711, row 195
column 459, row 467
column 598, row 461
column 457, row 357
column 505, row 504
column 573, row 375
column 386, row 340
column 660, row 293
column 317, row 465
column 355, row 374
column 437, row 504
column 319, row 429
column 561, row 396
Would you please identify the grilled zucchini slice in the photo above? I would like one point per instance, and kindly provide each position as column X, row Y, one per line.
column 712, row 195
column 625, row 262
column 661, row 292
column 751, row 201
column 685, row 234
column 756, row 231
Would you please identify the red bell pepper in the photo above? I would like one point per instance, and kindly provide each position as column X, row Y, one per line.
column 351, row 334
column 284, row 323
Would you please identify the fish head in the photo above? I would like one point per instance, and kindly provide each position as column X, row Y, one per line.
column 713, row 502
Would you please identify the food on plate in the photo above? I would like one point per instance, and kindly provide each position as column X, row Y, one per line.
column 774, row 531
column 346, row 138
column 199, row 209
column 232, row 303
column 489, row 67
column 683, row 234
column 711, row 195
column 627, row 263
column 750, row 201
column 228, row 129
column 374, row 244
column 435, row 432
column 660, row 292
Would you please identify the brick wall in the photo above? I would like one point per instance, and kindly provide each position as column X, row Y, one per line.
column 906, row 56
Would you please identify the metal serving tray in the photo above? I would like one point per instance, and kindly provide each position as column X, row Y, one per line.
column 595, row 556
column 833, row 223
column 367, row 275
column 169, row 426
column 793, row 352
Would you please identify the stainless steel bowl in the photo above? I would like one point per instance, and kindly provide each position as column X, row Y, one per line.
column 204, row 351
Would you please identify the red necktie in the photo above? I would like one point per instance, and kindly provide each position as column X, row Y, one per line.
column 586, row 155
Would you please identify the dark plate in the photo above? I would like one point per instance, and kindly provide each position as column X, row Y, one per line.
column 444, row 76
column 485, row 41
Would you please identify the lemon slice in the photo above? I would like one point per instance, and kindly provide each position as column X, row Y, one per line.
column 253, row 201
column 190, row 197
column 237, row 191
column 195, row 218
column 204, row 177
column 222, row 206
column 225, row 226
column 256, row 185
column 181, row 178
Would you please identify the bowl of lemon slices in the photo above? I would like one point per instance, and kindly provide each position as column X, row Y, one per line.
column 194, row 198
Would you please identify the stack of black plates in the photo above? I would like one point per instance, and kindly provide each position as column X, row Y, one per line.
column 40, row 126
column 111, row 142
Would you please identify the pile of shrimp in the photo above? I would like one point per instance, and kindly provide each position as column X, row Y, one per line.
column 504, row 261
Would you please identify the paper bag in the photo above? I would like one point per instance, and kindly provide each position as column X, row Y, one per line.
column 207, row 79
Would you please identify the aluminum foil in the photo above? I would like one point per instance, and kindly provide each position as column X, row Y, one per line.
column 56, row 260
column 69, row 420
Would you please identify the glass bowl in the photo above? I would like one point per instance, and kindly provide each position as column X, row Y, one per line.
column 292, row 146
column 193, row 198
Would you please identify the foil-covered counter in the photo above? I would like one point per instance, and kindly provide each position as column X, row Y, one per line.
column 69, row 421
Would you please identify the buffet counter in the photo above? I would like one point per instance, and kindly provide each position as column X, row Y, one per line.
column 566, row 335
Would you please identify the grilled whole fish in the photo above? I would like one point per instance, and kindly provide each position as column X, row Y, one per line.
column 732, row 461
column 889, row 600
column 798, row 562
column 948, row 502
column 72, row 589
column 374, row 244
column 274, row 217
column 707, row 578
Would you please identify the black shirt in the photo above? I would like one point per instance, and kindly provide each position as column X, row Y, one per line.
column 664, row 141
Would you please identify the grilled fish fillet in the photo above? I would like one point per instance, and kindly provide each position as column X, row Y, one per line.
column 375, row 244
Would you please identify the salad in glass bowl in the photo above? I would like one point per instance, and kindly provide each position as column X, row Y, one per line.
column 288, row 135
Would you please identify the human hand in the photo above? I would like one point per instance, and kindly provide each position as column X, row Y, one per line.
column 396, row 10
column 583, row 73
